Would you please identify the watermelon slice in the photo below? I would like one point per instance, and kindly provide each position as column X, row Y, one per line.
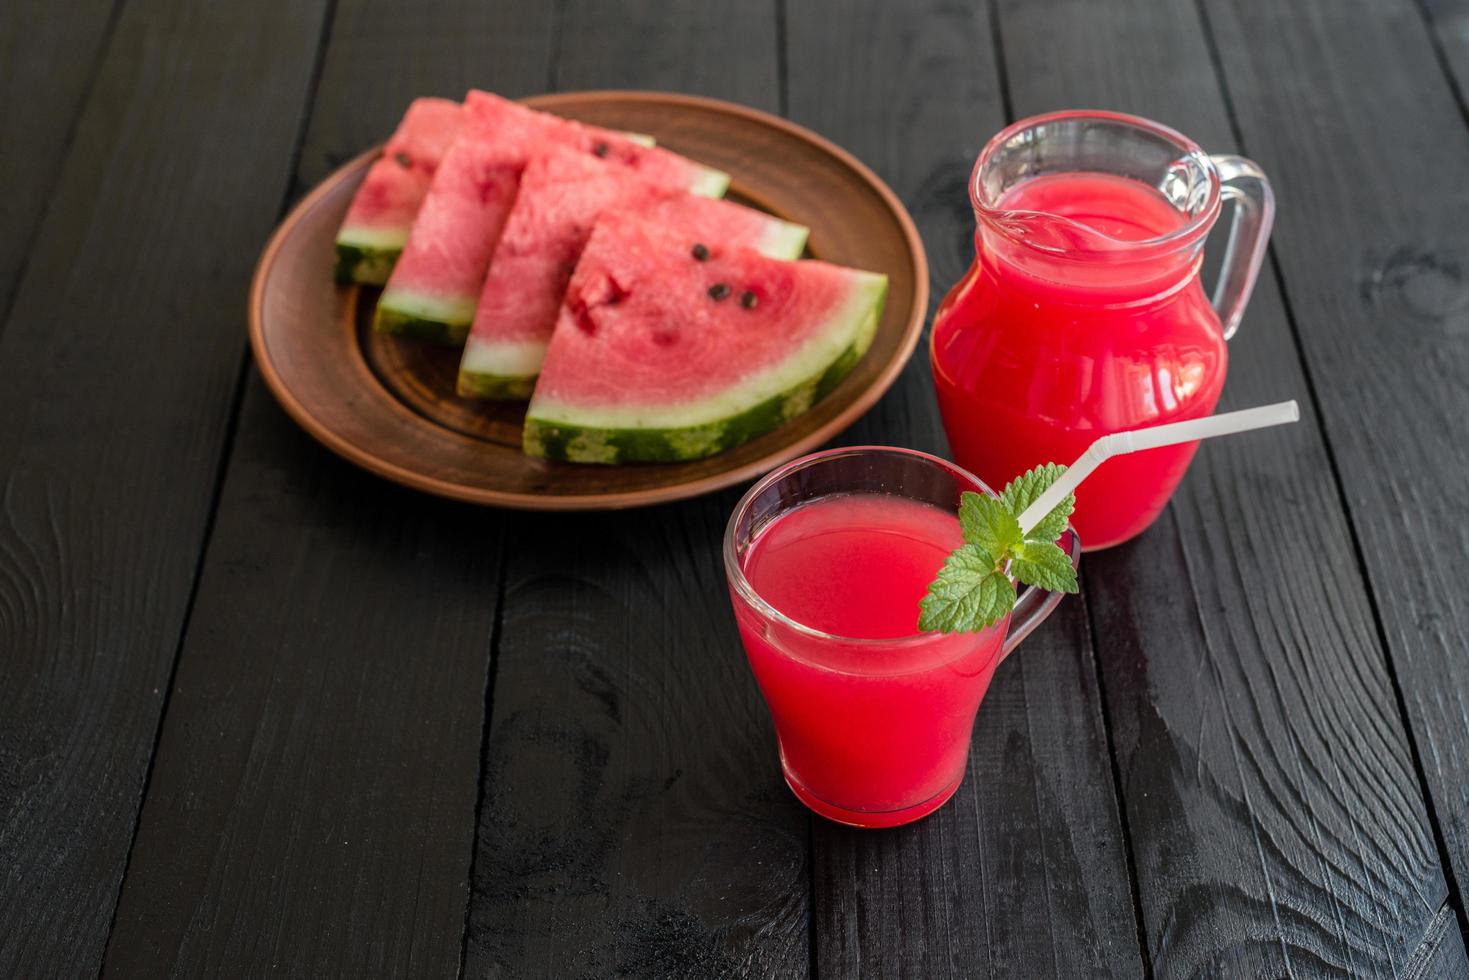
column 665, row 350
column 382, row 211
column 437, row 280
column 561, row 194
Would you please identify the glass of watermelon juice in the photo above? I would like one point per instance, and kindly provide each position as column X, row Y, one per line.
column 827, row 559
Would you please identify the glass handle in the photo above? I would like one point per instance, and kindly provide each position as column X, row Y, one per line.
column 1242, row 182
column 1034, row 605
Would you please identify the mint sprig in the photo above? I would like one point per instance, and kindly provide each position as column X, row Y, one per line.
column 976, row 586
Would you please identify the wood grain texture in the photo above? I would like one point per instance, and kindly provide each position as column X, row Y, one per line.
column 1440, row 953
column 1024, row 871
column 727, row 51
column 913, row 91
column 1276, row 818
column 47, row 57
column 118, row 367
column 1449, row 21
column 634, row 820
column 1374, row 261
column 380, row 58
column 311, row 810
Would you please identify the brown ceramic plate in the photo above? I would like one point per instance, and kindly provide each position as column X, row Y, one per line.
column 389, row 405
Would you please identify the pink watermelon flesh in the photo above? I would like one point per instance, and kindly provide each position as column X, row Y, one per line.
column 382, row 211
column 561, row 194
column 659, row 354
column 450, row 245
column 437, row 281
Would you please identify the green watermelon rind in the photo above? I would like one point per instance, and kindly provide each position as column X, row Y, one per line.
column 365, row 264
column 503, row 371
column 496, row 387
column 367, row 255
column 406, row 314
column 583, row 442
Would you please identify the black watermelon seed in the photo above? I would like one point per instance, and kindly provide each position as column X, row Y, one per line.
column 701, row 251
column 748, row 299
column 601, row 149
column 719, row 290
column 404, row 160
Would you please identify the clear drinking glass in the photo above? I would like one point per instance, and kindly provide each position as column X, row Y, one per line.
column 872, row 732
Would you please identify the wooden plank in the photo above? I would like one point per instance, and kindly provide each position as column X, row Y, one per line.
column 1275, row 815
column 634, row 820
column 1449, row 20
column 47, row 59
column 380, row 58
column 1024, row 872
column 728, row 51
column 118, row 366
column 1440, row 953
column 1373, row 257
column 312, row 804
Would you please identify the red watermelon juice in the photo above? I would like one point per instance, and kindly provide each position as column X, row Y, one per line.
column 873, row 719
column 1054, row 343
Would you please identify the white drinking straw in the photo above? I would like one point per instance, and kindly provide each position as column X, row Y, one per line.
column 1168, row 434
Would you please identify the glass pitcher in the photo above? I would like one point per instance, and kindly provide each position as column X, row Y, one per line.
column 1083, row 312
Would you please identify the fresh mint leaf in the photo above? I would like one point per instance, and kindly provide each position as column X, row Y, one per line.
column 988, row 525
column 975, row 588
column 968, row 595
column 1046, row 565
column 1022, row 491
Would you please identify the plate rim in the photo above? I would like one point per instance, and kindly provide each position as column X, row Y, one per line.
column 613, row 500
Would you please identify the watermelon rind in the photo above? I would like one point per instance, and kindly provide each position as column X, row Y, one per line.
column 504, row 371
column 734, row 416
column 490, row 371
column 367, row 255
column 709, row 182
column 495, row 387
column 366, row 264
column 407, row 314
column 784, row 240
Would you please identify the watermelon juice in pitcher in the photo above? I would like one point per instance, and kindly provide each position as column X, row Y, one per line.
column 1083, row 313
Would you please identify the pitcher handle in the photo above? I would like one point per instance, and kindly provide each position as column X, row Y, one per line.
column 1035, row 604
column 1244, row 183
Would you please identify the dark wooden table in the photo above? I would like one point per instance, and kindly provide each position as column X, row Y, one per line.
column 261, row 713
